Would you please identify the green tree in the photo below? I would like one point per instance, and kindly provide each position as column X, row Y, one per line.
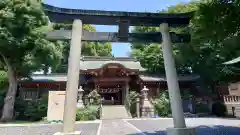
column 3, row 80
column 88, row 48
column 150, row 57
column 215, row 37
column 23, row 47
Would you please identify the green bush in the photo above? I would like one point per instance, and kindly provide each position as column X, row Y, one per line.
column 219, row 108
column 131, row 102
column 3, row 87
column 162, row 105
column 185, row 94
column 202, row 108
column 87, row 113
column 31, row 110
column 95, row 97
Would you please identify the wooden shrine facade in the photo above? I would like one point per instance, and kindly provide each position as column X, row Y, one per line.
column 112, row 77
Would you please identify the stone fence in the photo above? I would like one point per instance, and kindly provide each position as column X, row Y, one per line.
column 232, row 103
column 231, row 99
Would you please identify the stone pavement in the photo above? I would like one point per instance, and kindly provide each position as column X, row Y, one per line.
column 205, row 126
column 50, row 129
column 117, row 127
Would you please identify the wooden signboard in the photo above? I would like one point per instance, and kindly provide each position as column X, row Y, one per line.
column 55, row 105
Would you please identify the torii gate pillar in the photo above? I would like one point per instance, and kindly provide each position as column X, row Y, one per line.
column 70, row 108
column 173, row 86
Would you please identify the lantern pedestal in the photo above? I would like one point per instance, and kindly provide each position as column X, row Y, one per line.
column 147, row 107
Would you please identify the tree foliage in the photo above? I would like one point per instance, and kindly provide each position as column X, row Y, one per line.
column 150, row 57
column 215, row 40
column 23, row 47
column 215, row 37
column 3, row 80
column 88, row 48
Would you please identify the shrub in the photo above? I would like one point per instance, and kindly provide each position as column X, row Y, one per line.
column 202, row 108
column 131, row 102
column 3, row 87
column 95, row 97
column 185, row 94
column 88, row 113
column 31, row 110
column 219, row 108
column 162, row 105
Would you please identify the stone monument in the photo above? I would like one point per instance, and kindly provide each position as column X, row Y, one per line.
column 147, row 108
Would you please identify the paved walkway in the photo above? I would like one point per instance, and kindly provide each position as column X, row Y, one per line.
column 117, row 127
column 45, row 129
column 204, row 126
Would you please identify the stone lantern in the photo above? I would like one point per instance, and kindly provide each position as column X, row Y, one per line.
column 80, row 95
column 147, row 107
column 145, row 93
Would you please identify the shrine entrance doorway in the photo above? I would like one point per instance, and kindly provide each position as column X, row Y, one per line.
column 112, row 83
column 111, row 96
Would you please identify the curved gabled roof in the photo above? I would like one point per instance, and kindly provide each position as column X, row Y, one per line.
column 233, row 61
column 162, row 78
column 87, row 63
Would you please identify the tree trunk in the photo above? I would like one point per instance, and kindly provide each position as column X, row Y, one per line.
column 8, row 108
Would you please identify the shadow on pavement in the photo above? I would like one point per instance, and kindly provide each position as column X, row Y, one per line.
column 203, row 130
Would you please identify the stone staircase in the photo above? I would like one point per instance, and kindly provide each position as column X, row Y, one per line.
column 114, row 112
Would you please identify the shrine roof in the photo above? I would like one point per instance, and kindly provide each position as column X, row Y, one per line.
column 57, row 77
column 49, row 77
column 160, row 78
column 233, row 61
column 93, row 62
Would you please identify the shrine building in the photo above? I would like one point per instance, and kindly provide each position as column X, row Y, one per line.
column 112, row 77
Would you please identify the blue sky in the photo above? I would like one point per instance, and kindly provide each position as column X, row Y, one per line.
column 118, row 49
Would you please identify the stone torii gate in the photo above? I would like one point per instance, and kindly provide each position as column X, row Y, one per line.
column 123, row 20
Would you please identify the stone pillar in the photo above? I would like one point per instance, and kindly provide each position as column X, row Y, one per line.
column 80, row 96
column 173, row 86
column 126, row 92
column 138, row 107
column 72, row 78
column 158, row 90
column 147, row 108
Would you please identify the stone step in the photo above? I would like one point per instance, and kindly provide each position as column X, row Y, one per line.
column 114, row 112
